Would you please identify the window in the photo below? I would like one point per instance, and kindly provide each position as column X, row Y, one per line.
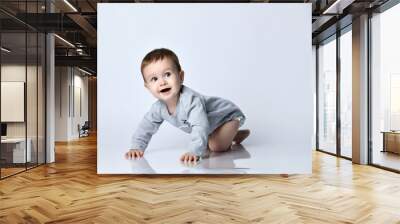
column 385, row 88
column 346, row 93
column 327, row 96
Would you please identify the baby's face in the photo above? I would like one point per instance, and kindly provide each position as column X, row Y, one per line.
column 163, row 80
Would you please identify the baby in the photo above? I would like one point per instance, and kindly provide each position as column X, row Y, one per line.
column 212, row 122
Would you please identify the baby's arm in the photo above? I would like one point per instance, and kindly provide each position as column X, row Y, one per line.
column 197, row 117
column 142, row 136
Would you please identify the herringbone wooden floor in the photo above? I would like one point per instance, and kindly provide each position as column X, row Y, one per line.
column 70, row 191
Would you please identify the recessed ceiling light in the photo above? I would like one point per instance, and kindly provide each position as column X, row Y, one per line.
column 70, row 5
column 84, row 71
column 337, row 7
column 5, row 50
column 65, row 41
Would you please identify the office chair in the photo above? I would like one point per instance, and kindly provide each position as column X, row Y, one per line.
column 84, row 130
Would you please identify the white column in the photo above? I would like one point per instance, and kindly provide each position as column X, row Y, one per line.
column 50, row 99
column 360, row 90
column 50, row 92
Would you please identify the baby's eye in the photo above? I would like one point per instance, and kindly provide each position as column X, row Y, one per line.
column 153, row 79
column 167, row 74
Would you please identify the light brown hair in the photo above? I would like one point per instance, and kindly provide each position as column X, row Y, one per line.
column 160, row 54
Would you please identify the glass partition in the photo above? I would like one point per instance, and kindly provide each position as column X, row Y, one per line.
column 41, row 87
column 32, row 95
column 13, row 109
column 22, row 77
column 346, row 93
column 33, row 56
column 327, row 96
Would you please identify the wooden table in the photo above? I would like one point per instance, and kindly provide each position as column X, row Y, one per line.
column 391, row 141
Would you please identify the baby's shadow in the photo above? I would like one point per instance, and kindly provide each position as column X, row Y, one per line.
column 141, row 166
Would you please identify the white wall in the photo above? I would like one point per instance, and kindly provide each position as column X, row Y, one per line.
column 79, row 117
column 68, row 81
column 61, row 103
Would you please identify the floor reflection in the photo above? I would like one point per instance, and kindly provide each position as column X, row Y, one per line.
column 223, row 162
column 141, row 166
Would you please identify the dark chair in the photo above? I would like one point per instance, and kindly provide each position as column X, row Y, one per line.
column 84, row 130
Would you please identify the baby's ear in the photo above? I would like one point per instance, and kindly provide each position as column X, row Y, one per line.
column 182, row 75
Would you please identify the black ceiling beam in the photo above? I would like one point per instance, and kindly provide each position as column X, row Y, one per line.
column 8, row 24
column 49, row 22
column 83, row 61
column 322, row 24
column 91, row 5
column 332, row 29
column 65, row 51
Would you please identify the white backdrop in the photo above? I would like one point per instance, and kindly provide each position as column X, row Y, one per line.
column 256, row 55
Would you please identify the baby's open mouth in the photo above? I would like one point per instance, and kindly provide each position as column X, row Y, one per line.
column 165, row 90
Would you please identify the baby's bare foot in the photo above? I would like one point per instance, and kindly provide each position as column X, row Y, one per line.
column 241, row 135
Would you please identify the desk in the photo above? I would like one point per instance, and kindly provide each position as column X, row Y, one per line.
column 391, row 141
column 15, row 148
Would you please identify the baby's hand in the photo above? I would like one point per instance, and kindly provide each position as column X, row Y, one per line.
column 134, row 154
column 189, row 157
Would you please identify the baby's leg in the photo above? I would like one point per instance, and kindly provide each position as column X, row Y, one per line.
column 221, row 139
